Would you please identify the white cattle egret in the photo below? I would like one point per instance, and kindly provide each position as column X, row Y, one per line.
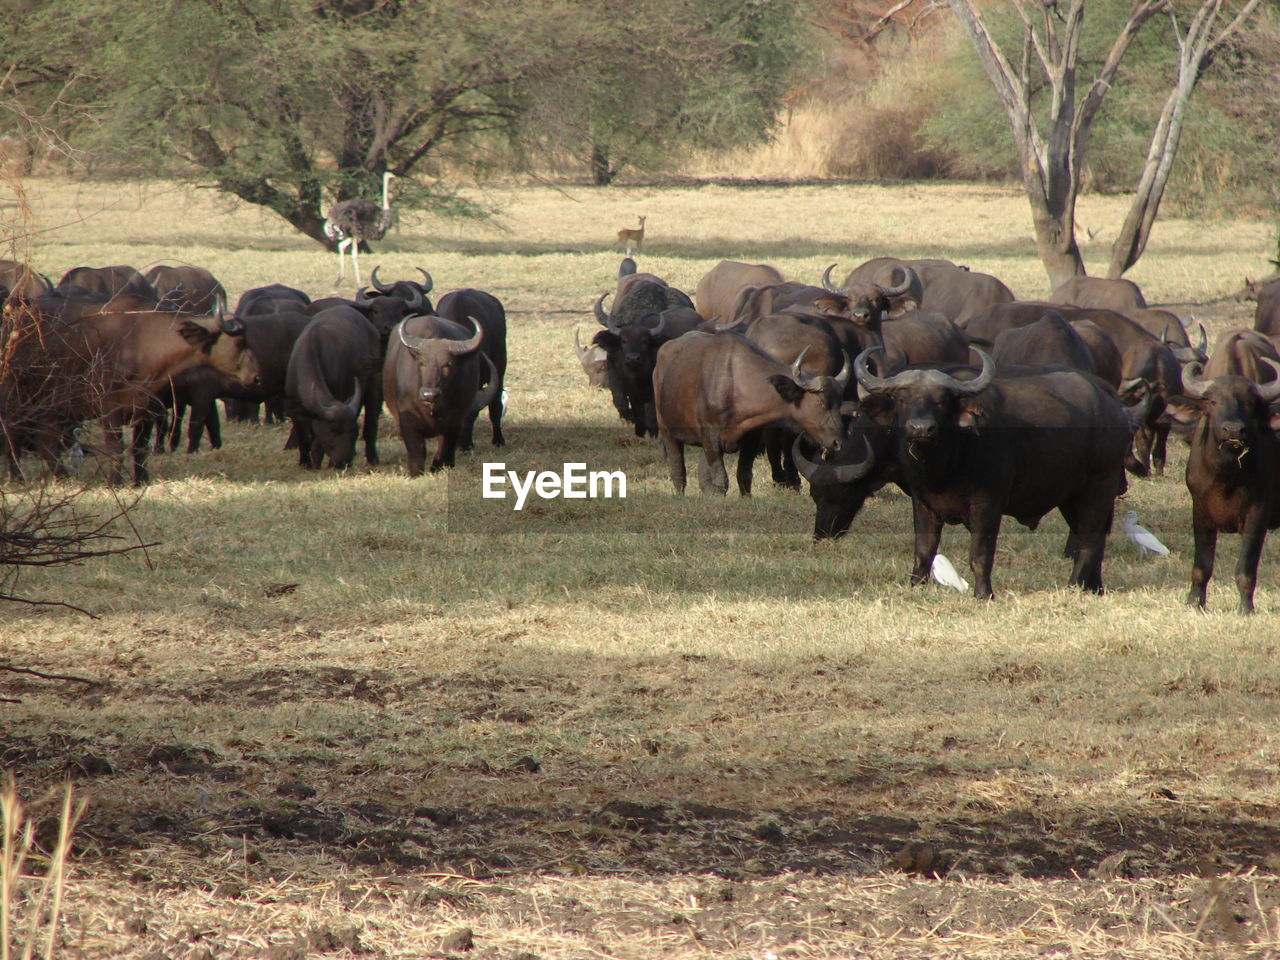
column 946, row 574
column 1144, row 538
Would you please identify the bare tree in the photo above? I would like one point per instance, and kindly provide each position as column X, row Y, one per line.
column 1203, row 37
column 1051, row 162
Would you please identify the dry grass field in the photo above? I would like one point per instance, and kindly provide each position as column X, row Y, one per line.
column 343, row 715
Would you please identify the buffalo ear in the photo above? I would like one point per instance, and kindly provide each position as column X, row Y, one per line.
column 901, row 307
column 879, row 407
column 1273, row 417
column 607, row 339
column 832, row 303
column 1184, row 410
column 787, row 388
column 198, row 336
column 972, row 417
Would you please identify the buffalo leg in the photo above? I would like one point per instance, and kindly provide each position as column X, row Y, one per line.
column 213, row 426
column 1251, row 539
column 372, row 408
column 495, row 418
column 1089, row 526
column 304, row 437
column 777, row 445
column 1206, row 538
column 1160, row 447
column 928, row 528
column 141, row 441
column 1138, row 461
column 674, row 450
column 712, row 477
column 748, row 449
column 113, row 446
column 984, row 530
column 446, row 450
column 415, row 450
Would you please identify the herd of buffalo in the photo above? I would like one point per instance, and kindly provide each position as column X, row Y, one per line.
column 851, row 386
column 872, row 381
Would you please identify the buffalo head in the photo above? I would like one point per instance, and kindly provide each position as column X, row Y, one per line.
column 923, row 403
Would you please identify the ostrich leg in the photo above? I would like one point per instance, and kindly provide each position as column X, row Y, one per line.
column 342, row 263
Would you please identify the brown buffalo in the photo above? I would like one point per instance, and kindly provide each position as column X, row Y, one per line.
column 955, row 292
column 1266, row 319
column 715, row 293
column 186, row 289
column 1099, row 292
column 1233, row 472
column 20, row 280
column 118, row 367
column 716, row 391
column 432, row 382
column 1240, row 353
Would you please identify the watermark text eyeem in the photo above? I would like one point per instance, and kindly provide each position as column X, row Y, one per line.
column 573, row 482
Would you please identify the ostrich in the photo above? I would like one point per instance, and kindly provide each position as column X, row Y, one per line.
column 351, row 222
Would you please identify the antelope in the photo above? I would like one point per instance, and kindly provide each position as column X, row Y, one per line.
column 629, row 236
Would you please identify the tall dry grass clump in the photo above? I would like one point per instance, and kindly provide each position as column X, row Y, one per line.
column 31, row 903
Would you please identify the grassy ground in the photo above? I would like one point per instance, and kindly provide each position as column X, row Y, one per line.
column 342, row 713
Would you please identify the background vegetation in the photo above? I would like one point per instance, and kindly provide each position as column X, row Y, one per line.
column 329, row 94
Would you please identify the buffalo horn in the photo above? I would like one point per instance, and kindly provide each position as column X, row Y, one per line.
column 1128, row 385
column 485, row 395
column 1202, row 347
column 428, row 285
column 866, row 379
column 362, row 300
column 458, row 347
column 978, row 383
column 797, row 374
column 826, row 281
column 415, row 303
column 600, row 314
column 1270, row 391
column 577, row 344
column 842, row 378
column 843, row 473
column 383, row 288
column 354, row 403
column 908, row 276
column 414, row 344
column 1191, row 381
column 657, row 328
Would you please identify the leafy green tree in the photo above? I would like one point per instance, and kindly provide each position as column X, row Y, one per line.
column 671, row 76
column 285, row 103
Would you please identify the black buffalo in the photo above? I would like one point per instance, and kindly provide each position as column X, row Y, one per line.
column 467, row 307
column 631, row 351
column 335, row 369
column 973, row 452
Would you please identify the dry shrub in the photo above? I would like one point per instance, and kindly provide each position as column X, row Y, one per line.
column 31, row 903
column 877, row 142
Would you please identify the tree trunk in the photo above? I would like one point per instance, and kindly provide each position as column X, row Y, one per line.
column 1194, row 52
column 601, row 173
